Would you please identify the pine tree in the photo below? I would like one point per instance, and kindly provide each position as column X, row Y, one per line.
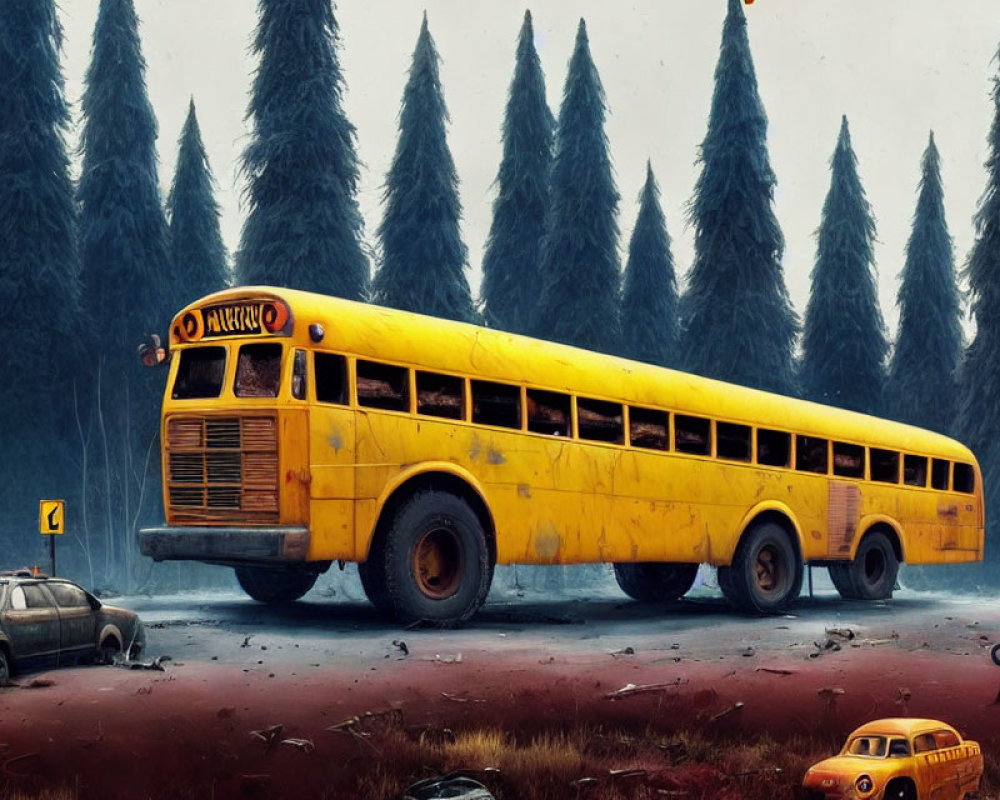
column 649, row 294
column 127, row 279
column 197, row 253
column 303, row 229
column 423, row 256
column 579, row 301
column 979, row 376
column 737, row 320
column 513, row 249
column 39, row 272
column 922, row 385
column 844, row 341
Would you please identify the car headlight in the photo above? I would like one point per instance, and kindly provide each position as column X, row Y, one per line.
column 864, row 785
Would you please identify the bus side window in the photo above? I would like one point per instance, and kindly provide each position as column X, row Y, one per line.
column 258, row 370
column 440, row 395
column 692, row 435
column 885, row 465
column 548, row 412
column 599, row 420
column 648, row 428
column 965, row 478
column 848, row 460
column 299, row 375
column 733, row 441
column 939, row 474
column 496, row 404
column 383, row 386
column 914, row 470
column 774, row 448
column 811, row 454
column 331, row 378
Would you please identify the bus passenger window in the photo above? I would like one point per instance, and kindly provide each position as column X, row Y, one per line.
column 599, row 420
column 200, row 373
column 885, row 466
column 914, row 470
column 848, row 460
column 331, row 378
column 648, row 428
column 258, row 370
column 810, row 454
column 299, row 375
column 965, row 478
column 692, row 435
column 383, row 386
column 733, row 441
column 548, row 412
column 939, row 474
column 440, row 395
column 496, row 404
column 774, row 448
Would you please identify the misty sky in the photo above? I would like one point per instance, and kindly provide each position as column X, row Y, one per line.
column 896, row 68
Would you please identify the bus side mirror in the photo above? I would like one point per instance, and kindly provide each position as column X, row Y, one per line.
column 152, row 353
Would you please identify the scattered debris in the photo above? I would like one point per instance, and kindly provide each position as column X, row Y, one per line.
column 402, row 646
column 155, row 664
column 830, row 694
column 828, row 646
column 843, row 633
column 625, row 651
column 453, row 785
column 748, row 652
column 269, row 735
column 676, row 752
column 582, row 783
column 775, row 671
column 448, row 659
column 246, row 640
column 39, row 683
column 726, row 712
column 304, row 745
column 630, row 688
column 627, row 773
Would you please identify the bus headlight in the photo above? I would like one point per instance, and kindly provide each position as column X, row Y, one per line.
column 864, row 785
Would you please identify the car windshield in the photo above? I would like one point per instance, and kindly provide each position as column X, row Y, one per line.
column 868, row 746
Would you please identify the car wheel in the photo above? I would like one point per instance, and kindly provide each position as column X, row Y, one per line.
column 655, row 582
column 4, row 667
column 108, row 652
column 434, row 561
column 276, row 585
column 766, row 573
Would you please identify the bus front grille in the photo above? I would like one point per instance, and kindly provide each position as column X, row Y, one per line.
column 223, row 469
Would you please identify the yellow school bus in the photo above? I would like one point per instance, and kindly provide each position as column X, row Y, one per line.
column 299, row 430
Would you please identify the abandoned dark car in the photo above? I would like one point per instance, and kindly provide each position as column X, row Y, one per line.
column 52, row 622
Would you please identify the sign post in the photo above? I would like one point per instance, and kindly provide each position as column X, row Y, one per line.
column 52, row 523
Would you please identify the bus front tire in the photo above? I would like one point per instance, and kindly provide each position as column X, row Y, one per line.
column 436, row 566
column 765, row 574
column 872, row 574
column 657, row 581
column 275, row 585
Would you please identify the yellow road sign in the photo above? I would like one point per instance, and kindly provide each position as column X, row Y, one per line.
column 52, row 516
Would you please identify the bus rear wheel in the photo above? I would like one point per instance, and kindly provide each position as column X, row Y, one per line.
column 765, row 574
column 434, row 561
column 655, row 582
column 275, row 585
column 872, row 574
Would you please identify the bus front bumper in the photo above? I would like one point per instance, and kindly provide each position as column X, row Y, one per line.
column 224, row 545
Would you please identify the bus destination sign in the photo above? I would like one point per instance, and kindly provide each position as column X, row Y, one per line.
column 240, row 318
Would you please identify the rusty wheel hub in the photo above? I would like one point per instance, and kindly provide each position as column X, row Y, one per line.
column 437, row 564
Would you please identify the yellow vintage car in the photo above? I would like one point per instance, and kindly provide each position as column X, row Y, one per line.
column 899, row 758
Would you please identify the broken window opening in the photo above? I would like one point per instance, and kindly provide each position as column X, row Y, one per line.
column 914, row 470
column 599, row 420
column 648, row 428
column 692, row 435
column 964, row 478
column 940, row 470
column 548, row 412
column 811, row 454
column 384, row 386
column 331, row 378
column 200, row 373
column 885, row 465
column 774, row 448
column 496, row 404
column 440, row 395
column 732, row 441
column 848, row 460
column 258, row 370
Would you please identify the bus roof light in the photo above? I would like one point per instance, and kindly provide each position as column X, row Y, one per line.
column 316, row 332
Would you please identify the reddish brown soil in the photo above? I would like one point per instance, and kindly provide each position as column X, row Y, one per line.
column 187, row 732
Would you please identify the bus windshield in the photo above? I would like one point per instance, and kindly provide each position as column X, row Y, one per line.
column 200, row 373
column 258, row 370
